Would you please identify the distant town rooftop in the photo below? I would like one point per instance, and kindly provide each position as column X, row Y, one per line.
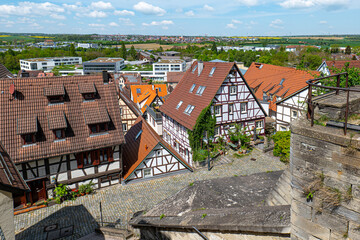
column 170, row 61
column 106, row 60
column 45, row 59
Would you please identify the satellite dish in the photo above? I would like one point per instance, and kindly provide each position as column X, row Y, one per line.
column 12, row 89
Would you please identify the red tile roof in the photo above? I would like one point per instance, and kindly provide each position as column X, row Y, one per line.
column 339, row 64
column 174, row 77
column 4, row 72
column 181, row 92
column 135, row 151
column 267, row 78
column 148, row 94
column 10, row 178
column 32, row 106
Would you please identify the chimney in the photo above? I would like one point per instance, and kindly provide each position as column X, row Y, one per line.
column 105, row 77
column 157, row 91
column 200, row 67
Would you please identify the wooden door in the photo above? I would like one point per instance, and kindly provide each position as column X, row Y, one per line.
column 38, row 191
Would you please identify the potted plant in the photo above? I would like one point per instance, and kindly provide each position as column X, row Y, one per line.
column 61, row 192
column 82, row 189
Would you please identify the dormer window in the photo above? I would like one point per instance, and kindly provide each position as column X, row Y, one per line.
column 54, row 93
column 88, row 91
column 57, row 123
column 97, row 119
column 98, row 128
column 59, row 134
column 27, row 127
column 28, row 138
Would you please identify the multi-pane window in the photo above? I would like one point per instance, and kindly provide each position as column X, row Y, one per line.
column 233, row 90
column 231, row 108
column 192, row 88
column 217, row 110
column 56, row 99
column 189, row 109
column 200, row 90
column 147, row 172
column 98, row 128
column 94, row 157
column 259, row 124
column 243, row 107
column 59, row 133
column 28, row 138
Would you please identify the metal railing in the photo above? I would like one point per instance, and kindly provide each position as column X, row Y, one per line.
column 314, row 83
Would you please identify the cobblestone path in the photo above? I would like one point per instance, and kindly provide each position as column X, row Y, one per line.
column 119, row 202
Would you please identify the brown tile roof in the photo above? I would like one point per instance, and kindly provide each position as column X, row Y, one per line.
column 96, row 115
column 267, row 78
column 10, row 178
column 339, row 64
column 56, row 120
column 135, row 151
column 4, row 72
column 24, row 73
column 31, row 102
column 174, row 76
column 87, row 88
column 181, row 92
column 54, row 90
column 26, row 124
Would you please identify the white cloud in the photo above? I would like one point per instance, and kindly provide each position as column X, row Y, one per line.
column 97, row 14
column 26, row 8
column 327, row 4
column 72, row 7
column 57, row 16
column 248, row 3
column 113, row 24
column 101, row 5
column 236, row 21
column 154, row 23
column 126, row 21
column 149, row 9
column 96, row 25
column 179, row 10
column 208, row 8
column 124, row 13
column 323, row 22
column 277, row 23
column 231, row 25
column 190, row 13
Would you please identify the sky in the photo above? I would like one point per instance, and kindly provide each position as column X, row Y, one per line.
column 182, row 17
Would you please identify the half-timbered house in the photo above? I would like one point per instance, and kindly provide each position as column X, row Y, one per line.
column 62, row 130
column 220, row 84
column 147, row 155
column 282, row 90
column 129, row 111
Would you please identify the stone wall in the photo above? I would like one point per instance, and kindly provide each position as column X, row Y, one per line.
column 325, row 179
column 7, row 216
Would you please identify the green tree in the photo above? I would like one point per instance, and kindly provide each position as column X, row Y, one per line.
column 72, row 50
column 214, row 48
column 123, row 50
column 133, row 52
column 348, row 50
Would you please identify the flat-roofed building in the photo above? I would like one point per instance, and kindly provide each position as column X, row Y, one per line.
column 104, row 64
column 33, row 64
column 161, row 68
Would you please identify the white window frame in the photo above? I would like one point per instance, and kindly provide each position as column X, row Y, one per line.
column 147, row 175
column 212, row 71
column 200, row 90
column 124, row 127
column 231, row 108
column 260, row 123
column 219, row 108
column 233, row 90
column 292, row 113
column 246, row 107
column 192, row 88
column 179, row 105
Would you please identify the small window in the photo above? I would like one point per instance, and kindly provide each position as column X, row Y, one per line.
column 294, row 114
column 138, row 90
column 194, row 69
column 283, row 128
column 121, row 111
column 243, row 107
column 89, row 96
column 192, row 88
column 189, row 109
column 282, row 81
column 158, row 153
column 56, row 99
column 98, row 128
column 259, row 124
column 138, row 135
column 124, row 127
column 200, row 90
column 216, row 131
column 212, row 71
column 28, row 139
column 87, row 159
column 179, row 104
column 233, row 90
column 218, row 110
column 147, row 172
column 59, row 134
column 231, row 108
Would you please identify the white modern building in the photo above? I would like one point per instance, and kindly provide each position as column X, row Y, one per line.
column 104, row 64
column 87, row 45
column 45, row 64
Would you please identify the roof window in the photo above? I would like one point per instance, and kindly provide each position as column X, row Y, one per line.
column 138, row 90
column 179, row 104
column 212, row 71
column 282, row 81
column 138, row 135
column 189, row 109
column 194, row 69
column 192, row 88
column 200, row 90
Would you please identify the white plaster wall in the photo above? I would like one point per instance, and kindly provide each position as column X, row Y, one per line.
column 7, row 215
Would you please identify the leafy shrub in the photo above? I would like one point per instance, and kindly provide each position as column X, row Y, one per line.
column 282, row 145
column 87, row 188
column 61, row 193
column 200, row 155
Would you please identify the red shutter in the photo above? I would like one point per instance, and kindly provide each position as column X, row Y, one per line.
column 95, row 157
column 110, row 155
column 80, row 160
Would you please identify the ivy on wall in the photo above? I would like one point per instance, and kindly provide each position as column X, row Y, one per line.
column 205, row 123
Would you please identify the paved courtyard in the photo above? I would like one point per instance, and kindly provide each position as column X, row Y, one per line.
column 119, row 202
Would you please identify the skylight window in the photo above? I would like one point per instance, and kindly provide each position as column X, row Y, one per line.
column 194, row 69
column 138, row 135
column 179, row 104
column 138, row 90
column 189, row 109
column 282, row 81
column 212, row 71
column 200, row 90
column 192, row 88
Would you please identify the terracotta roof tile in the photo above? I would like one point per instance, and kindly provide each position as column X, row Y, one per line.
column 96, row 115
column 339, row 64
column 87, row 88
column 54, row 90
column 181, row 92
column 175, row 77
column 4, row 72
column 136, row 150
column 31, row 102
column 56, row 120
column 26, row 125
column 276, row 80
